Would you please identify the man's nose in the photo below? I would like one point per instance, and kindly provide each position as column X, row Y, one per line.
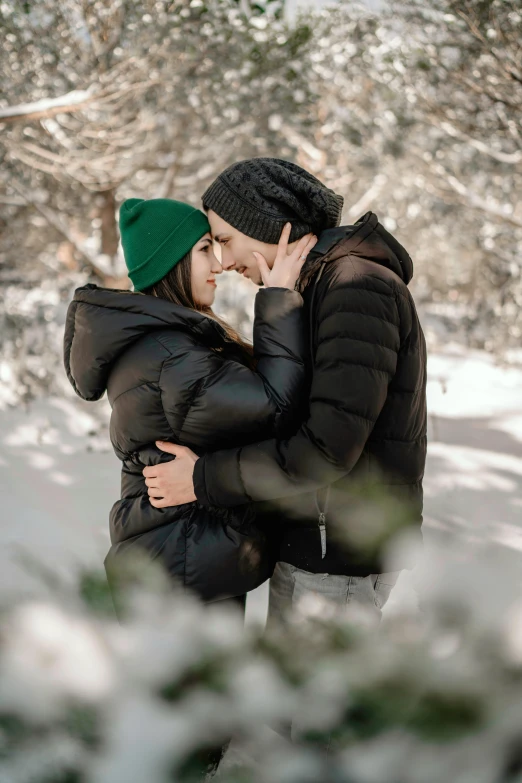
column 227, row 262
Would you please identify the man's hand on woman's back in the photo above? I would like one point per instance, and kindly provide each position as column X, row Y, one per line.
column 171, row 483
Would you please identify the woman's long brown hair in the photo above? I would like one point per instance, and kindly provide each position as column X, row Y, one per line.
column 176, row 287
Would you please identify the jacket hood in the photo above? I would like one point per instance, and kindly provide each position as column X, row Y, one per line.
column 102, row 323
column 368, row 239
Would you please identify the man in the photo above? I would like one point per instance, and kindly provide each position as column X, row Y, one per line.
column 363, row 428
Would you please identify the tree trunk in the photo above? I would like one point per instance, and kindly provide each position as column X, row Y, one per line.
column 109, row 230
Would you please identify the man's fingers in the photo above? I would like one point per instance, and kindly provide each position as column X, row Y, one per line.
column 150, row 471
column 152, row 483
column 171, row 448
column 157, row 502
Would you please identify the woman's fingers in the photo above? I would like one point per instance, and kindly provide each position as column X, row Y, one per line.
column 282, row 245
column 301, row 245
column 304, row 246
column 287, row 266
column 311, row 243
column 263, row 268
column 300, row 254
column 303, row 255
column 301, row 248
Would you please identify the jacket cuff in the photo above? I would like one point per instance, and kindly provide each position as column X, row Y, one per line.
column 200, row 488
column 283, row 299
column 217, row 479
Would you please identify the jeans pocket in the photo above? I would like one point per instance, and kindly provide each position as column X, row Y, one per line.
column 384, row 584
column 388, row 579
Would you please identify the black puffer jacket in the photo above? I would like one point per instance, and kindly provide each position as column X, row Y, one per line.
column 171, row 374
column 366, row 420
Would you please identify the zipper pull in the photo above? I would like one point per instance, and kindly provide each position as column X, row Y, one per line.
column 322, row 531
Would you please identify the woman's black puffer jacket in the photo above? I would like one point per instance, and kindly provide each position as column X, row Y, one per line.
column 172, row 374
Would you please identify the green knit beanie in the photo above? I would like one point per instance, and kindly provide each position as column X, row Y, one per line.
column 156, row 234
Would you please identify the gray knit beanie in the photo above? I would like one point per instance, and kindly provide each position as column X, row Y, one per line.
column 258, row 196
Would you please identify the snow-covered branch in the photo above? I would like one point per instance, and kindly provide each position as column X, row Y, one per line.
column 473, row 199
column 47, row 107
column 481, row 146
column 58, row 223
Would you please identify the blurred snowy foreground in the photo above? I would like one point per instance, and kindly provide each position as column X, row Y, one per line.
column 59, row 476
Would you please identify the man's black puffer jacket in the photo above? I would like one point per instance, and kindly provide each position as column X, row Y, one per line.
column 172, row 374
column 366, row 420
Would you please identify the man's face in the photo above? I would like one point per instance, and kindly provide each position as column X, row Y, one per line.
column 237, row 249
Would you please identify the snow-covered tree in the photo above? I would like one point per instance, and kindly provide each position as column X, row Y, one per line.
column 435, row 696
column 460, row 66
column 419, row 119
column 411, row 112
column 108, row 99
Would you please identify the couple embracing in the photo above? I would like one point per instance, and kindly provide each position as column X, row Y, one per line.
column 240, row 461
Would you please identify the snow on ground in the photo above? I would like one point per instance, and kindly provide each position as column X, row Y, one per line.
column 56, row 488
column 473, row 478
column 59, row 477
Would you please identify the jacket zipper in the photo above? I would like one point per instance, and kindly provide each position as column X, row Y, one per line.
column 321, row 511
column 322, row 519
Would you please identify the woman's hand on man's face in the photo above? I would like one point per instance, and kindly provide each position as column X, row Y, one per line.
column 171, row 483
column 287, row 266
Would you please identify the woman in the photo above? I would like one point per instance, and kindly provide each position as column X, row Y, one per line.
column 174, row 371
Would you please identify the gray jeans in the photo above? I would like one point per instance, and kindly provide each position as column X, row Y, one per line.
column 324, row 593
column 290, row 587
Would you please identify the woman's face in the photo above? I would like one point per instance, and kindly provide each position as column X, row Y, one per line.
column 204, row 269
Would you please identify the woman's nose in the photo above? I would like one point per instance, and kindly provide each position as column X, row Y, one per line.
column 216, row 268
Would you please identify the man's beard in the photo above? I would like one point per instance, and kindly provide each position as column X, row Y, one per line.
column 255, row 280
